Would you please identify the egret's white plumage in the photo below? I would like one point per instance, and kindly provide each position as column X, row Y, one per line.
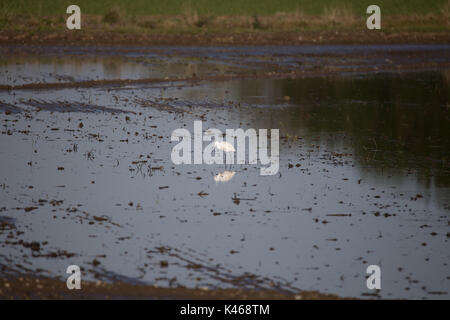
column 224, row 146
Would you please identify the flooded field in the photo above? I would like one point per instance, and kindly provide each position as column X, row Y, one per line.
column 86, row 175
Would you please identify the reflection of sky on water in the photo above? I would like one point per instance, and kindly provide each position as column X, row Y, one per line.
column 26, row 69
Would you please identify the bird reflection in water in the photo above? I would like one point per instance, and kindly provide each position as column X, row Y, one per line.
column 224, row 176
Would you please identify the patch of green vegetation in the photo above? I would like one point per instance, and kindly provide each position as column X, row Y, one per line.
column 139, row 16
column 219, row 7
column 114, row 15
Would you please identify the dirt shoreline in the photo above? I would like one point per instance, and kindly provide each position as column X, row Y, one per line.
column 214, row 38
column 26, row 287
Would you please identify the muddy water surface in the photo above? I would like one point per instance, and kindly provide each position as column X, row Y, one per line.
column 86, row 176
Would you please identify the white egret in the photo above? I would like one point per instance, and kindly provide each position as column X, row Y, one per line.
column 225, row 147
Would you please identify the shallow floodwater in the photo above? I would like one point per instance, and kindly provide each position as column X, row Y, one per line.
column 86, row 176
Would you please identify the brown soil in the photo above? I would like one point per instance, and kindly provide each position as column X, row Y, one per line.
column 214, row 38
column 192, row 29
column 46, row 288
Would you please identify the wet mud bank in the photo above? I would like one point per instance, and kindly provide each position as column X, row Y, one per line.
column 102, row 38
column 25, row 288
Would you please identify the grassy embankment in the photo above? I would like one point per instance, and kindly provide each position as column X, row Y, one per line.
column 23, row 19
